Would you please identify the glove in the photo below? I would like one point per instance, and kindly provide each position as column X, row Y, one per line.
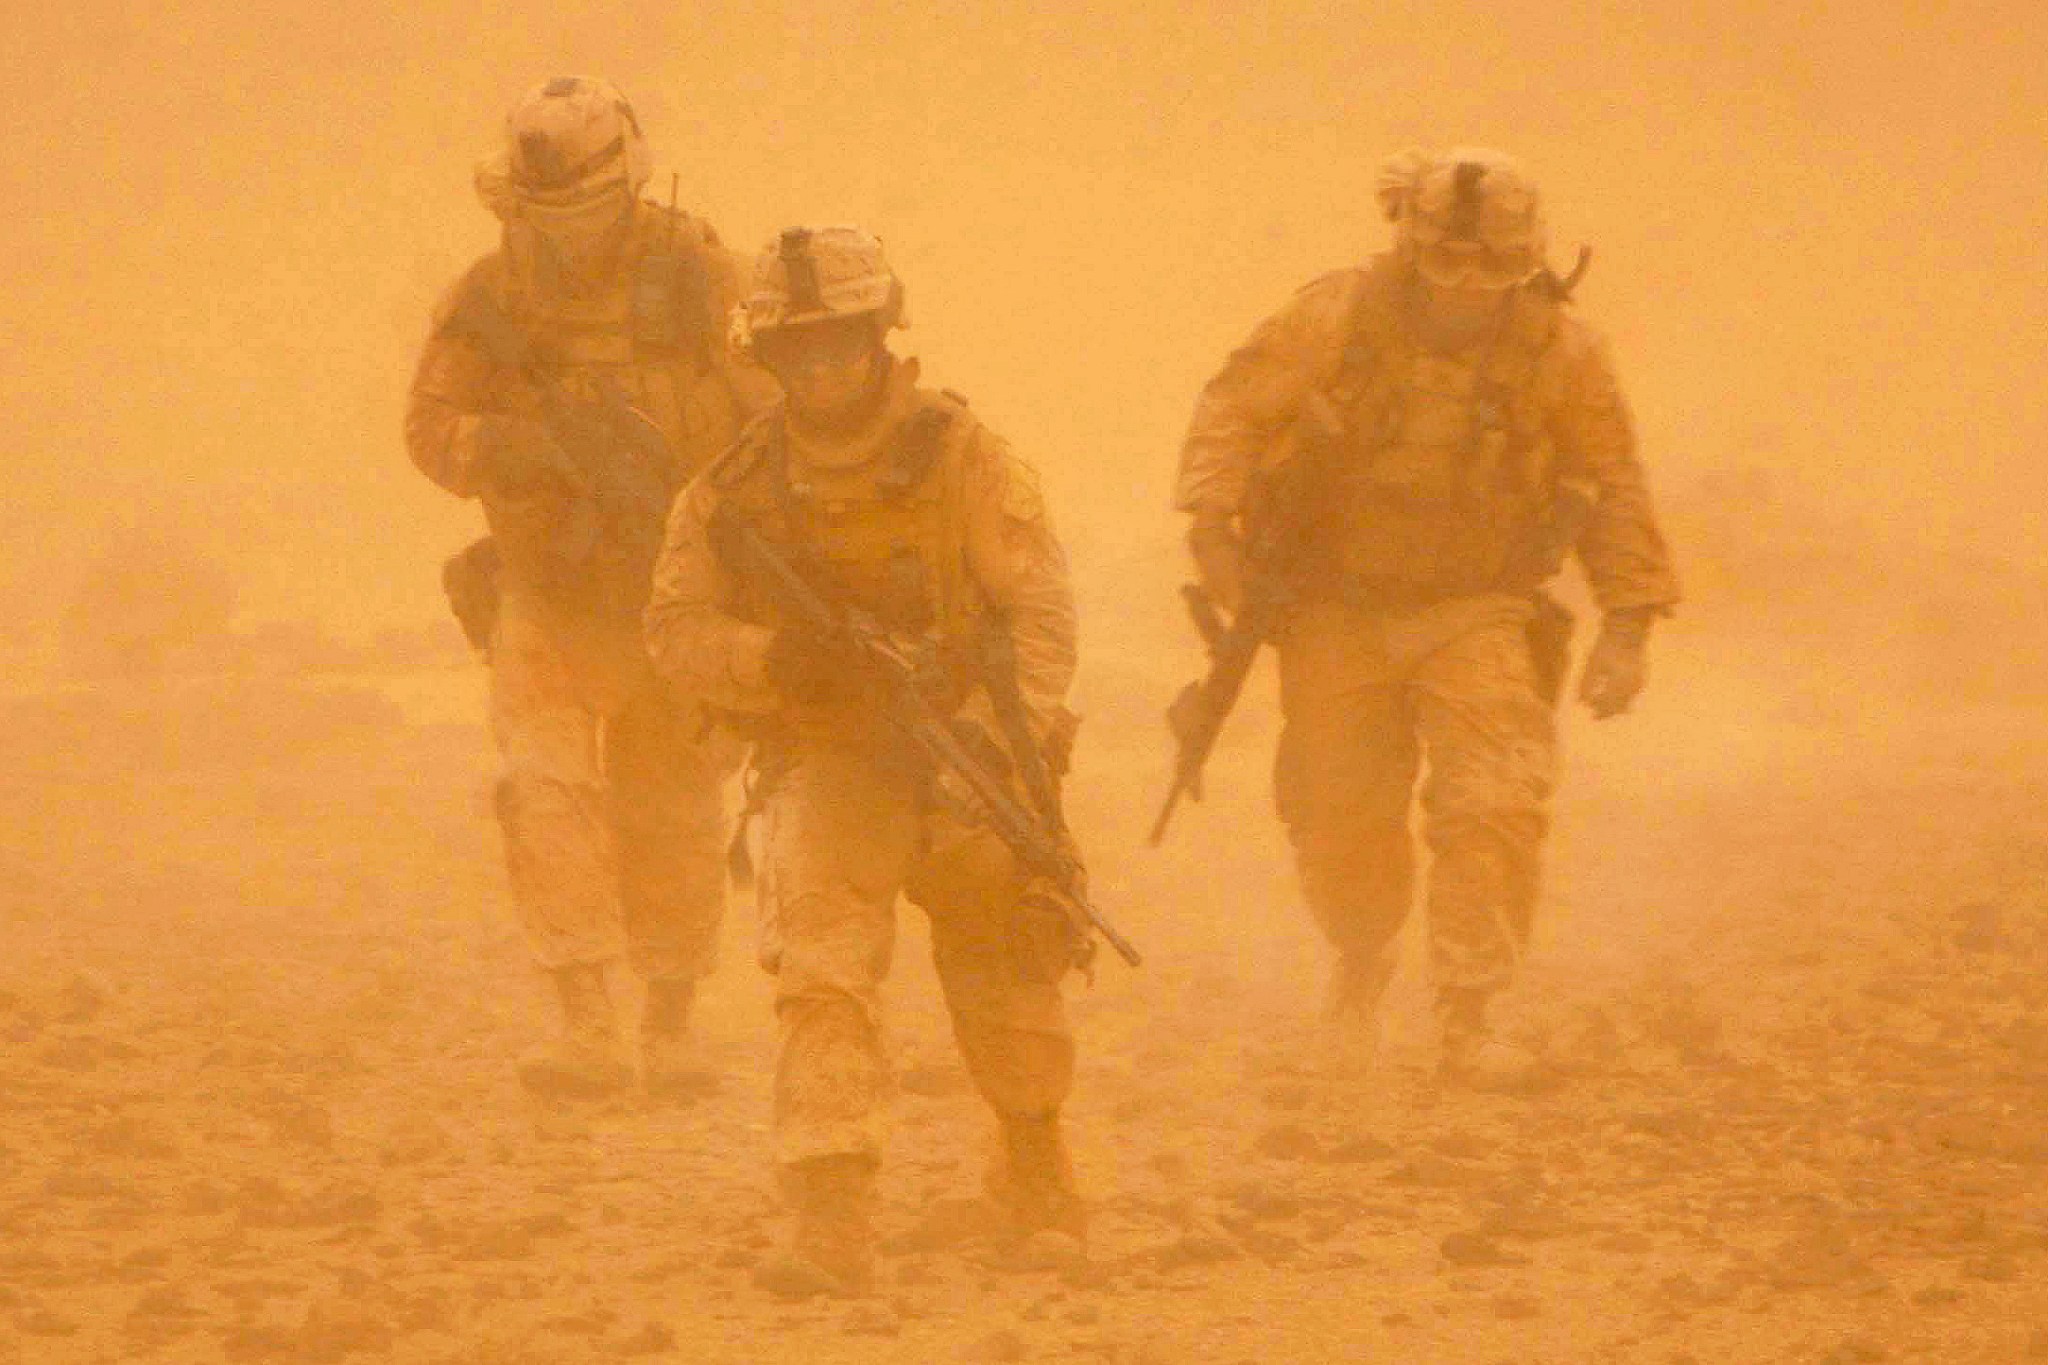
column 1046, row 935
column 1219, row 561
column 518, row 457
column 810, row 669
column 1617, row 667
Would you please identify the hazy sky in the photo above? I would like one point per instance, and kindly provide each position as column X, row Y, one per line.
column 1818, row 234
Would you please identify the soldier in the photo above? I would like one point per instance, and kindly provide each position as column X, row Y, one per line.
column 1462, row 418
column 903, row 506
column 574, row 378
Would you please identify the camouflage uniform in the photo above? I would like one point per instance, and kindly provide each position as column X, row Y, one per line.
column 849, row 820
column 610, row 797
column 1411, row 636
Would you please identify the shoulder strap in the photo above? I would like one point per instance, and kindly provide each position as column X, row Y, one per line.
column 741, row 460
column 1369, row 321
column 916, row 449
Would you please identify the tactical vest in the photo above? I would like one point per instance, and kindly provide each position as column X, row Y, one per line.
column 887, row 537
column 1443, row 479
column 654, row 331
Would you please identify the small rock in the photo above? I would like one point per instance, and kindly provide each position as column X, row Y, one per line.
column 655, row 1338
column 1006, row 1345
column 793, row 1278
column 1516, row 1306
column 1937, row 1296
column 1463, row 1146
column 1289, row 1094
column 134, row 1136
column 871, row 1318
column 415, row 1140
column 1274, row 1248
column 1980, row 928
column 1197, row 1246
column 79, row 1183
column 70, row 1054
column 1816, row 1260
column 299, row 1122
column 1429, row 1171
column 1357, row 1151
column 41, row 1322
column 1263, row 1201
column 83, row 999
column 916, row 1271
column 1856, row 1351
column 1288, row 1142
column 335, row 1327
column 1470, row 1249
column 1994, row 1268
column 427, row 1310
column 202, row 1198
column 1048, row 1249
column 161, row 1314
column 260, row 1341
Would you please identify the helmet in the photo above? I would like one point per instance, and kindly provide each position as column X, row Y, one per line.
column 815, row 275
column 573, row 150
column 1470, row 216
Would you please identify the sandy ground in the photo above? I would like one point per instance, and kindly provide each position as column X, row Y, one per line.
column 261, row 995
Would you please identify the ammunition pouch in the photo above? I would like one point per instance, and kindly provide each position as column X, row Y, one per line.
column 470, row 579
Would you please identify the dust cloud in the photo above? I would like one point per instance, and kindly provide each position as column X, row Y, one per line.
column 261, row 986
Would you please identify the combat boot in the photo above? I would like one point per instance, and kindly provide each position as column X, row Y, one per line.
column 667, row 1066
column 587, row 1061
column 831, row 1250
column 1351, row 1013
column 1478, row 1058
column 1031, row 1183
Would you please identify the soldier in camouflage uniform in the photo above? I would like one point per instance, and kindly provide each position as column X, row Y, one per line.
column 575, row 377
column 1463, row 410
column 901, row 505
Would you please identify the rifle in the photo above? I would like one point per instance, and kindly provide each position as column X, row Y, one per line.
column 1277, row 544
column 1276, row 551
column 624, row 466
column 1036, row 844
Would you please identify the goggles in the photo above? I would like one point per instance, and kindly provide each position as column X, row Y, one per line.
column 569, row 213
column 833, row 344
column 1455, row 264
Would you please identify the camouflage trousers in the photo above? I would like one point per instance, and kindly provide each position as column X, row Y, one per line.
column 610, row 798
column 846, row 829
column 1367, row 697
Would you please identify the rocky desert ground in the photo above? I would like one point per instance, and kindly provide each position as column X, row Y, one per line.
column 262, row 993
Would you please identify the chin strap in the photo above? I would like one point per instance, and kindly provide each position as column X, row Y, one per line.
column 1558, row 289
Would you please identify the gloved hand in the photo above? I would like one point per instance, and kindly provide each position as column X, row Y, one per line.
column 1219, row 561
column 518, row 457
column 1617, row 667
column 1047, row 932
column 811, row 669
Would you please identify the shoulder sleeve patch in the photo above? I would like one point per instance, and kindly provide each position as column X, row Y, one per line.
column 1023, row 496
